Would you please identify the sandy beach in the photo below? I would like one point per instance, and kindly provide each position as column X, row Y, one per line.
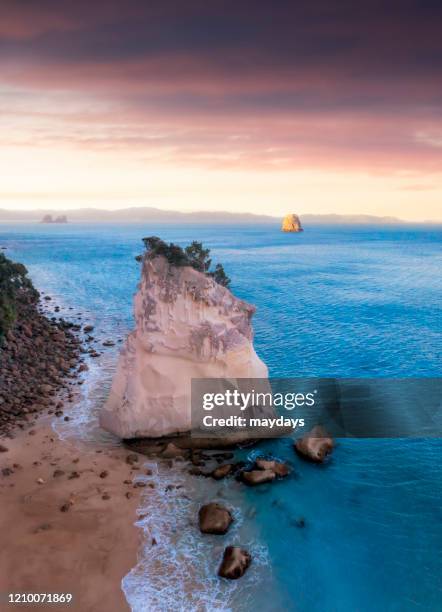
column 67, row 519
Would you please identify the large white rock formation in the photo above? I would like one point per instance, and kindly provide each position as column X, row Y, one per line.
column 187, row 326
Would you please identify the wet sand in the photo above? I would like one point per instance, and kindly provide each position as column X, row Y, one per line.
column 70, row 531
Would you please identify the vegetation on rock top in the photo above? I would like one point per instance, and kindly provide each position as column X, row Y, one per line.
column 194, row 255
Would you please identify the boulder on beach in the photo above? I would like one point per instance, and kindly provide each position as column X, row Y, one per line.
column 214, row 518
column 315, row 446
column 291, row 223
column 187, row 326
column 172, row 451
column 235, row 562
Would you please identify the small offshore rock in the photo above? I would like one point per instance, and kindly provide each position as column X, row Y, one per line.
column 257, row 477
column 235, row 562
column 316, row 446
column 214, row 518
column 280, row 469
column 291, row 223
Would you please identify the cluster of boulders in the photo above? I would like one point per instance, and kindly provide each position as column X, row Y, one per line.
column 214, row 518
column 37, row 357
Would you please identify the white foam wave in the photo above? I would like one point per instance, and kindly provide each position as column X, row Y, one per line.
column 177, row 567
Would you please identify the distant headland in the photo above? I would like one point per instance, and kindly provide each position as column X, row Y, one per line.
column 51, row 219
column 148, row 214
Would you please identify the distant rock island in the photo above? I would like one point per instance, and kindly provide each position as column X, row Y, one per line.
column 51, row 219
column 291, row 223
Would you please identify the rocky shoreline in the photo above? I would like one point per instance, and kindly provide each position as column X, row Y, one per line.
column 65, row 505
column 40, row 358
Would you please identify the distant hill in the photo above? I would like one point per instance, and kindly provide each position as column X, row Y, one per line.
column 134, row 215
column 156, row 215
column 349, row 219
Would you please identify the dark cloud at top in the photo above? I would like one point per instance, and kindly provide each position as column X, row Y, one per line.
column 243, row 59
column 389, row 37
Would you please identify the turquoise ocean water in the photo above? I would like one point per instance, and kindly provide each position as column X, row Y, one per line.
column 332, row 301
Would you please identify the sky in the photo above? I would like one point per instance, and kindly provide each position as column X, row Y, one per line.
column 245, row 105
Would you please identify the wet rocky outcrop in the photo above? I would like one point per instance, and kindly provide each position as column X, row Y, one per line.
column 316, row 446
column 214, row 518
column 235, row 562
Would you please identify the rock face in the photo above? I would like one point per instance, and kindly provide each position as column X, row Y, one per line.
column 235, row 562
column 187, row 326
column 291, row 223
column 214, row 518
column 315, row 446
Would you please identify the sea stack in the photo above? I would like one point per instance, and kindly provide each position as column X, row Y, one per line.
column 186, row 326
column 51, row 219
column 291, row 223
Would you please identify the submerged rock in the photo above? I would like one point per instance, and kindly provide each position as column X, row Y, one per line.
column 257, row 477
column 291, row 223
column 235, row 562
column 315, row 446
column 214, row 518
column 280, row 469
column 222, row 471
column 187, row 326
